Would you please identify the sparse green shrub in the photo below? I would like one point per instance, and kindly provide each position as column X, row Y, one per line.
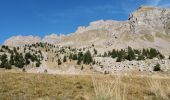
column 157, row 67
column 38, row 64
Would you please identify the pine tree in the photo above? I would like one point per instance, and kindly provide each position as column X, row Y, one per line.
column 19, row 60
column 87, row 59
column 120, row 55
column 15, row 50
column 105, row 54
column 114, row 53
column 4, row 61
column 74, row 56
column 59, row 62
column 153, row 53
column 80, row 58
column 95, row 51
column 144, row 53
column 65, row 59
column 70, row 56
column 11, row 61
column 131, row 54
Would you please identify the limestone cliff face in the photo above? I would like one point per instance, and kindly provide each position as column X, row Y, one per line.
column 150, row 20
column 146, row 27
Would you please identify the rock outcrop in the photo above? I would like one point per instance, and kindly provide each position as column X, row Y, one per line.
column 151, row 20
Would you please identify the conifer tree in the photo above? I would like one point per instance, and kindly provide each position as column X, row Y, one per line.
column 114, row 53
column 65, row 59
column 4, row 60
column 70, row 56
column 105, row 54
column 131, row 54
column 59, row 62
column 80, row 58
column 95, row 51
column 11, row 61
column 74, row 56
column 19, row 60
column 87, row 59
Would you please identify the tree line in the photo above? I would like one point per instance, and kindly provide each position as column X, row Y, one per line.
column 82, row 58
column 14, row 58
column 134, row 54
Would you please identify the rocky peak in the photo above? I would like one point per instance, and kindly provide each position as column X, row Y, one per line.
column 102, row 24
column 144, row 22
column 150, row 19
column 22, row 40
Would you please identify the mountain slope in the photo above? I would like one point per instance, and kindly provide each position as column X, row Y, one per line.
column 146, row 27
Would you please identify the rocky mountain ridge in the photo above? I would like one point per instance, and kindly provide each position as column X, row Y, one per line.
column 146, row 27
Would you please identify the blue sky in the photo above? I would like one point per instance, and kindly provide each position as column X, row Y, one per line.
column 42, row 17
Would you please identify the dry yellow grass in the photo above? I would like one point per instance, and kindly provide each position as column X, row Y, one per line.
column 22, row 86
column 19, row 86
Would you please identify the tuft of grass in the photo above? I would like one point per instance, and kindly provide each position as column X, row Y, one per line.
column 103, row 90
column 158, row 89
column 109, row 89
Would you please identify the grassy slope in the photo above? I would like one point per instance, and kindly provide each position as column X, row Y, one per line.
column 71, row 87
column 34, row 86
